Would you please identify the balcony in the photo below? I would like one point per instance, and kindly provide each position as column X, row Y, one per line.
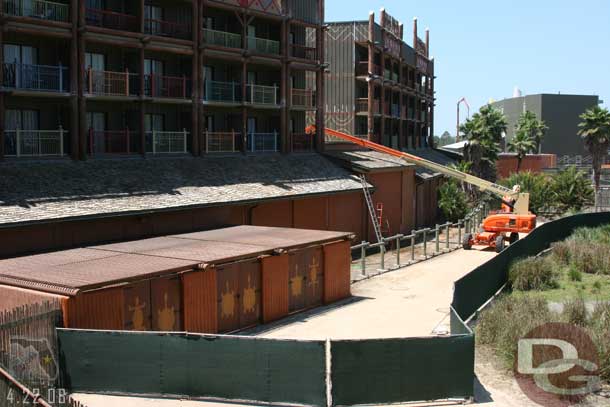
column 112, row 20
column 262, row 142
column 303, row 52
column 107, row 83
column 41, row 78
column 167, row 86
column 396, row 111
column 263, row 46
column 167, row 29
column 362, row 69
column 221, row 38
column 113, row 142
column 221, row 142
column 224, row 92
column 304, row 98
column 302, row 142
column 262, row 95
column 44, row 10
column 34, row 143
column 167, row 142
column 362, row 106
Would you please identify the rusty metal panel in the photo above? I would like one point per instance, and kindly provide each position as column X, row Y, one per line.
column 314, row 276
column 311, row 213
column 249, row 293
column 137, row 307
column 166, row 301
column 275, row 287
column 200, row 294
column 228, row 297
column 13, row 297
column 102, row 309
column 337, row 264
column 297, row 276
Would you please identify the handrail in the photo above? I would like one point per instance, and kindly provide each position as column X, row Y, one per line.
column 221, row 142
column 34, row 143
column 35, row 77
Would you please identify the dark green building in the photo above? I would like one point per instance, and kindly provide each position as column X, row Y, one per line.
column 561, row 115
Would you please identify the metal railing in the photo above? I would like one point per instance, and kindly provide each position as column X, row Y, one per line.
column 228, row 92
column 262, row 95
column 36, row 77
column 302, row 142
column 221, row 38
column 167, row 28
column 167, row 142
column 303, row 98
column 418, row 246
column 107, row 83
column 303, row 52
column 332, row 139
column 45, row 10
column 166, row 86
column 34, row 143
column 221, row 142
column 262, row 142
column 263, row 46
column 112, row 142
column 112, row 20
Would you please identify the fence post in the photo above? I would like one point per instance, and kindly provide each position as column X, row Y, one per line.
column 18, row 139
column 398, row 250
column 61, row 78
column 90, row 80
column 425, row 234
column 61, row 140
column 363, row 258
column 382, row 247
column 459, row 224
column 127, row 82
column 437, row 238
column 274, row 140
column 184, row 150
column 413, row 245
column 154, row 141
column 128, row 143
column 447, row 242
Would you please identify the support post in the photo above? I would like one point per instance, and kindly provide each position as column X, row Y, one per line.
column 363, row 258
column 82, row 103
column 142, row 105
column 459, row 225
column 74, row 89
column 371, row 85
column 447, row 231
column 437, row 238
column 413, row 236
column 284, row 88
column 425, row 234
column 398, row 237
column 320, row 80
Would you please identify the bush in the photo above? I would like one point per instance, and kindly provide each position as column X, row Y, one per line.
column 590, row 257
column 571, row 190
column 575, row 312
column 599, row 330
column 561, row 252
column 533, row 273
column 452, row 201
column 574, row 274
column 537, row 185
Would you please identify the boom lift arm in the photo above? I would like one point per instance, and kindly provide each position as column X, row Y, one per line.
column 520, row 207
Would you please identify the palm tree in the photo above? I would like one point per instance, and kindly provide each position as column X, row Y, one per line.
column 529, row 123
column 522, row 144
column 595, row 132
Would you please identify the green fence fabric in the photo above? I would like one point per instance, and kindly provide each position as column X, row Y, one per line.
column 398, row 370
column 195, row 365
column 457, row 326
column 477, row 287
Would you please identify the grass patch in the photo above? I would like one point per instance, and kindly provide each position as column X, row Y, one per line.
column 533, row 273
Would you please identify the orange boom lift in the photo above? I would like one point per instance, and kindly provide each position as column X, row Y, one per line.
column 499, row 227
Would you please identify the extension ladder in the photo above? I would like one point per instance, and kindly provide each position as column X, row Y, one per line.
column 371, row 208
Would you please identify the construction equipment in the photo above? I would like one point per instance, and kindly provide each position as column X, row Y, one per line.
column 499, row 227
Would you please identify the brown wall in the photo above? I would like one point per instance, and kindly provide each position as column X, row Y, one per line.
column 426, row 203
column 14, row 297
column 507, row 163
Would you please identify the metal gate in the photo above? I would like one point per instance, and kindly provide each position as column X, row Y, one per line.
column 306, row 279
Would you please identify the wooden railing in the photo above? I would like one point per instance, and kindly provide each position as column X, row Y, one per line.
column 263, row 45
column 44, row 78
column 303, row 98
column 107, row 83
column 168, row 29
column 112, row 20
column 303, row 52
column 227, row 92
column 113, row 142
column 221, row 142
column 34, row 143
column 45, row 10
column 302, row 142
column 167, row 142
column 166, row 86
column 221, row 38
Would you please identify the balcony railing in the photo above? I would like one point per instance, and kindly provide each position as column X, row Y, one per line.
column 221, row 142
column 362, row 106
column 303, row 98
column 262, row 95
column 221, row 38
column 263, row 46
column 227, row 92
column 167, row 29
column 302, row 142
column 45, row 10
column 362, row 69
column 262, row 142
column 112, row 20
column 396, row 111
column 43, row 78
column 303, row 52
column 166, row 86
column 167, row 142
column 113, row 142
column 34, row 143
column 106, row 83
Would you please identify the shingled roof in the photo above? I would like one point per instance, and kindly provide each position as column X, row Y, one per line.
column 46, row 191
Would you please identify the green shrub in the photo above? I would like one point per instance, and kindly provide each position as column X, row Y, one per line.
column 599, row 330
column 597, row 286
column 537, row 185
column 599, row 234
column 574, row 274
column 590, row 257
column 571, row 190
column 561, row 251
column 452, row 201
column 533, row 273
column 575, row 312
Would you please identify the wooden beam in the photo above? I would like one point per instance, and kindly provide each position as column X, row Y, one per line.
column 82, row 103
column 320, row 89
column 195, row 130
column 284, row 112
column 371, row 85
column 74, row 90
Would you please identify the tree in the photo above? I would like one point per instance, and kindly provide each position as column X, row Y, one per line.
column 484, row 132
column 536, row 129
column 522, row 144
column 539, row 186
column 452, row 201
column 571, row 190
column 446, row 139
column 595, row 132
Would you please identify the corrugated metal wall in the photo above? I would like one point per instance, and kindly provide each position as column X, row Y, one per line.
column 337, row 260
column 200, row 301
column 275, row 285
column 305, row 10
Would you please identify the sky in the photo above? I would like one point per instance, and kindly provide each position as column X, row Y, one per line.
column 484, row 49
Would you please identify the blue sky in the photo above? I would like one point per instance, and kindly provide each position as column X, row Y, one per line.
column 483, row 49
